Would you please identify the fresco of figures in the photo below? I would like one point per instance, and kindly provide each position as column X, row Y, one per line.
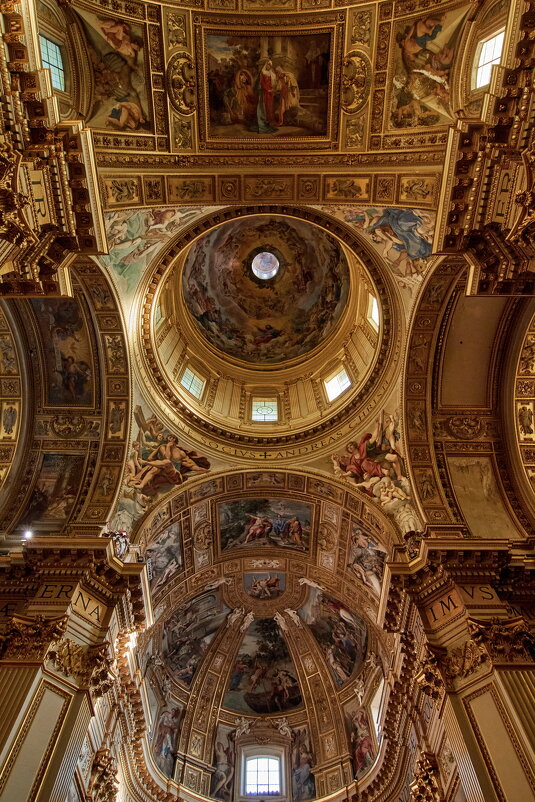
column 263, row 677
column 302, row 757
column 265, row 522
column 258, row 321
column 373, row 463
column 165, row 739
column 56, row 489
column 158, row 461
column 222, row 783
column 421, row 82
column 361, row 741
column 189, row 631
column 164, row 558
column 68, row 358
column 117, row 57
column 264, row 586
column 366, row 559
column 402, row 237
column 269, row 84
column 136, row 237
column 341, row 635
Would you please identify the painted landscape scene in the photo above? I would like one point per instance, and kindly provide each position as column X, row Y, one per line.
column 268, row 85
column 265, row 522
column 263, row 678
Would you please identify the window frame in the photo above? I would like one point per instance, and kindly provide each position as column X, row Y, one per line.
column 373, row 300
column 47, row 65
column 476, row 66
column 197, row 375
column 266, row 398
column 255, row 751
column 341, row 368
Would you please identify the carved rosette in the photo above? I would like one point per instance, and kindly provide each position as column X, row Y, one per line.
column 181, row 83
column 356, row 81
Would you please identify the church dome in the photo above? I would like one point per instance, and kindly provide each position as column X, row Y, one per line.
column 266, row 290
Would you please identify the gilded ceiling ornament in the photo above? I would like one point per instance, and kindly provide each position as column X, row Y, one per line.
column 356, row 81
column 68, row 425
column 293, row 614
column 181, row 83
column 29, row 638
column 465, row 427
column 203, row 537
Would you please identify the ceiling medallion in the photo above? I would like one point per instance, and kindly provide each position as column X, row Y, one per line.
column 180, row 79
column 356, row 81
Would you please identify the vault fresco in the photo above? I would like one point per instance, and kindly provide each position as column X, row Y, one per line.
column 67, row 350
column 56, row 489
column 374, row 464
column 188, row 633
column 341, row 635
column 421, row 81
column 263, row 678
column 361, row 740
column 158, row 461
column 164, row 558
column 117, row 56
column 273, row 321
column 135, row 237
column 265, row 522
column 271, row 85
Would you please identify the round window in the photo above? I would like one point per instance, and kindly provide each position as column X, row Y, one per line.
column 265, row 265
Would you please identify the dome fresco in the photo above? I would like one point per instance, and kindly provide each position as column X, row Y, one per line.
column 258, row 317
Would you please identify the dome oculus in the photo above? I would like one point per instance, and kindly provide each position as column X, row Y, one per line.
column 265, row 265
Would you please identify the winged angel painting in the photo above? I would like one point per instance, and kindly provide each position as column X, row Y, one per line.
column 426, row 55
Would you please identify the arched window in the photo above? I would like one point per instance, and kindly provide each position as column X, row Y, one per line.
column 488, row 53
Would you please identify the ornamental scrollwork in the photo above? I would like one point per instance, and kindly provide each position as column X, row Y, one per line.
column 29, row 638
column 356, row 81
column 181, row 83
column 426, row 784
column 505, row 641
column 429, row 677
column 89, row 666
column 103, row 784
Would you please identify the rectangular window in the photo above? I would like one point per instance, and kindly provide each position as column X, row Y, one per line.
column 52, row 59
column 336, row 385
column 262, row 776
column 373, row 311
column 265, row 409
column 192, row 382
column 490, row 53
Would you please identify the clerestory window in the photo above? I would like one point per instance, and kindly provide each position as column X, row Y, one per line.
column 263, row 776
column 488, row 53
column 53, row 60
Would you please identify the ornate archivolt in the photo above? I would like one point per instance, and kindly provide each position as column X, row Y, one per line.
column 336, row 561
column 77, row 371
column 458, row 458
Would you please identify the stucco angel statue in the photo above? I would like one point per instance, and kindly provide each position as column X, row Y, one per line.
column 294, row 615
column 234, row 615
